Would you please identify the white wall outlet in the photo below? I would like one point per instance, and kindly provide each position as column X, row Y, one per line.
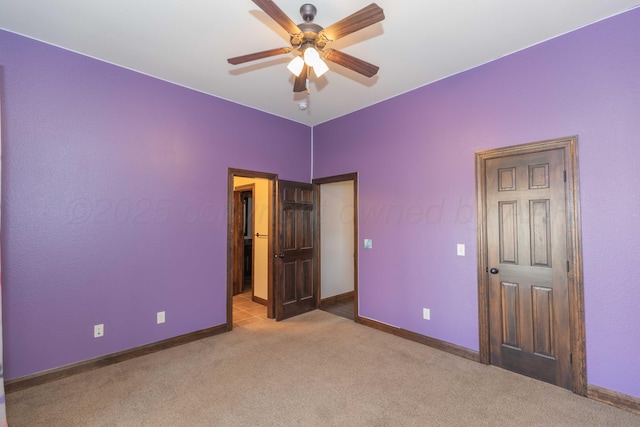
column 98, row 330
column 426, row 314
column 460, row 249
column 160, row 317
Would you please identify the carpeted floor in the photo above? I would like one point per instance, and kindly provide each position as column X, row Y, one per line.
column 316, row 369
column 343, row 308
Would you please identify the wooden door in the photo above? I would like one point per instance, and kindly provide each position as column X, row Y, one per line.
column 238, row 242
column 295, row 259
column 242, row 218
column 527, row 262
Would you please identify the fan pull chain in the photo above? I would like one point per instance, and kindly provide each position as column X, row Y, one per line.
column 308, row 87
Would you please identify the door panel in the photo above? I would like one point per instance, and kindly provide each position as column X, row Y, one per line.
column 508, row 235
column 526, row 243
column 540, row 233
column 510, row 316
column 295, row 289
column 542, row 311
column 289, row 282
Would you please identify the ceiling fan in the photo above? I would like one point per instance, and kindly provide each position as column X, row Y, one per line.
column 308, row 42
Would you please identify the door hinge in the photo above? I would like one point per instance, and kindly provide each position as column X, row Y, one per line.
column 567, row 266
column 565, row 176
column 571, row 358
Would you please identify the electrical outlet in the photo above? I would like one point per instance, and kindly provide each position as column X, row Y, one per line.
column 160, row 317
column 98, row 330
column 426, row 314
column 460, row 249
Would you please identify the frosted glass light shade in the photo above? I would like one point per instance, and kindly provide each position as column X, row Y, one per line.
column 320, row 67
column 311, row 56
column 296, row 65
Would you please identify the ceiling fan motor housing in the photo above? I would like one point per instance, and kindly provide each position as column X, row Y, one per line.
column 309, row 34
column 308, row 31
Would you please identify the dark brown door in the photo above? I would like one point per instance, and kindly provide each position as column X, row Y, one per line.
column 527, row 263
column 241, row 219
column 238, row 242
column 296, row 256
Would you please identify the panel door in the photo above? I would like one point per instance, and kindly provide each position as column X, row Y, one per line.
column 295, row 288
column 527, row 258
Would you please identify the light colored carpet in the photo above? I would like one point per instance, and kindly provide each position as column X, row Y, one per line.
column 313, row 370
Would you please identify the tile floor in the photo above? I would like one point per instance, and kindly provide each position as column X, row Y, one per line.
column 245, row 311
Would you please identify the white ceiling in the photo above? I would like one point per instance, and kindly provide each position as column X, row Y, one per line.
column 188, row 42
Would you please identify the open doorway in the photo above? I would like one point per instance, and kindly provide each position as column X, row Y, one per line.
column 250, row 231
column 338, row 248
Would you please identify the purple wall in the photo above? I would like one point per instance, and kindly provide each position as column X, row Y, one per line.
column 114, row 202
column 415, row 158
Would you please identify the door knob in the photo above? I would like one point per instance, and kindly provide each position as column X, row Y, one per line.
column 278, row 256
column 494, row 271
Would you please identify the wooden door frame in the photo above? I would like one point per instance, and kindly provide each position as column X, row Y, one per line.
column 273, row 178
column 329, row 180
column 575, row 284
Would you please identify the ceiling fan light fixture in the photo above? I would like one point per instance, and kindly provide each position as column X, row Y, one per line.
column 311, row 56
column 296, row 65
column 320, row 67
column 308, row 42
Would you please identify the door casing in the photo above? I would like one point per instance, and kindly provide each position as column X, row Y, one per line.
column 574, row 251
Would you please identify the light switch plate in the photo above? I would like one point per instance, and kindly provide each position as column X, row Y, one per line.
column 460, row 249
column 368, row 243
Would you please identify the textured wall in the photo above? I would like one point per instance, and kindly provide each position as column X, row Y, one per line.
column 415, row 157
column 114, row 202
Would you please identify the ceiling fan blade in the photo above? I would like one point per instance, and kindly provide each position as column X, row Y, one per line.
column 272, row 9
column 300, row 84
column 258, row 55
column 352, row 23
column 351, row 62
